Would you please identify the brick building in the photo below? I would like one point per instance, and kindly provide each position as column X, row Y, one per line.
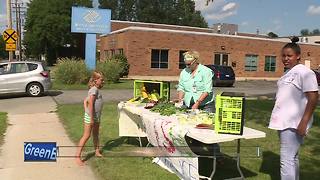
column 156, row 50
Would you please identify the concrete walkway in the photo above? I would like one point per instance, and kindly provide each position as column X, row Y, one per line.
column 33, row 119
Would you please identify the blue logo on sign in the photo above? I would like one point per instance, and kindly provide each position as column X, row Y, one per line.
column 40, row 151
column 90, row 20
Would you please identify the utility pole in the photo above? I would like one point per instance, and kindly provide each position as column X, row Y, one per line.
column 9, row 22
column 17, row 29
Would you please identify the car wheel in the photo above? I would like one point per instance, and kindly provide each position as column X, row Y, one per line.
column 34, row 89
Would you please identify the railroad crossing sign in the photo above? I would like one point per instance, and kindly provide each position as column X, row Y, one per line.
column 10, row 36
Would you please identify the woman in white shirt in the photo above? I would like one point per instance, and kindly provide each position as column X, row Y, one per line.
column 292, row 115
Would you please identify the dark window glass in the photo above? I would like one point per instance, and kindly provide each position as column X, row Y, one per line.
column 4, row 68
column 270, row 64
column 159, row 58
column 181, row 60
column 32, row 66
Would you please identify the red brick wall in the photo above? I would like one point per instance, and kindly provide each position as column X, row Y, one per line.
column 138, row 44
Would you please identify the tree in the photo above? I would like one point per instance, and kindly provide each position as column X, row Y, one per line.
column 3, row 52
column 272, row 35
column 177, row 12
column 304, row 32
column 316, row 32
column 48, row 25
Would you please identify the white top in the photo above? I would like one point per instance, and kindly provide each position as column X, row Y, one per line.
column 291, row 100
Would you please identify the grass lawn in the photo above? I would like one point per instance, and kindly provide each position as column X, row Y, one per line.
column 257, row 115
column 3, row 125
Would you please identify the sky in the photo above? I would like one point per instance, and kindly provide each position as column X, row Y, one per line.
column 283, row 17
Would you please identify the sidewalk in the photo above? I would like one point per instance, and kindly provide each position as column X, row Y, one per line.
column 38, row 127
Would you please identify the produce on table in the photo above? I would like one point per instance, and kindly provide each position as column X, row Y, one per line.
column 166, row 109
column 154, row 97
column 200, row 118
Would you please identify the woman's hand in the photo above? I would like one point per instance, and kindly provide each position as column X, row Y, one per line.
column 302, row 128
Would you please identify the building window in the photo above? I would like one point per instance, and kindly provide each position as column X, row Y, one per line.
column 270, row 64
column 182, row 65
column 221, row 59
column 113, row 52
column 251, row 63
column 159, row 58
column 120, row 51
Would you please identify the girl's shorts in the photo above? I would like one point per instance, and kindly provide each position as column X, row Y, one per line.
column 87, row 119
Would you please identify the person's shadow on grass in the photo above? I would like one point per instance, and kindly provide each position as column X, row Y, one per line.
column 107, row 147
column 270, row 165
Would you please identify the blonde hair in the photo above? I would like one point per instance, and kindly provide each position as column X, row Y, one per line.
column 192, row 56
column 95, row 76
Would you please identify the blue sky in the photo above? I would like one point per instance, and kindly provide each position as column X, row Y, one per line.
column 283, row 17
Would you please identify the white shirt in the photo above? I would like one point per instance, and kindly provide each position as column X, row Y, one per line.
column 291, row 100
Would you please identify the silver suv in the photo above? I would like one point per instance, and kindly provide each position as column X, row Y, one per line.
column 30, row 77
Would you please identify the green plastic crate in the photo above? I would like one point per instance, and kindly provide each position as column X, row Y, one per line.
column 162, row 88
column 229, row 117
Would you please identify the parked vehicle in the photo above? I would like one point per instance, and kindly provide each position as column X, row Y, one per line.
column 223, row 75
column 24, row 76
column 317, row 75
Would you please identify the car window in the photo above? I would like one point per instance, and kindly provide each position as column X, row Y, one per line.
column 45, row 67
column 32, row 66
column 4, row 69
column 18, row 68
column 228, row 70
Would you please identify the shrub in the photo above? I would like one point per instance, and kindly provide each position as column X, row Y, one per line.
column 111, row 69
column 123, row 62
column 71, row 71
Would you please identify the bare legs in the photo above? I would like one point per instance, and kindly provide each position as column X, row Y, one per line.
column 95, row 133
column 88, row 128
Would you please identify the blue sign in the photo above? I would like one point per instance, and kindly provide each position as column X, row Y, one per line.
column 90, row 20
column 40, row 151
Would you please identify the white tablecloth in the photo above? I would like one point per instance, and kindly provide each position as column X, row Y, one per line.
column 166, row 132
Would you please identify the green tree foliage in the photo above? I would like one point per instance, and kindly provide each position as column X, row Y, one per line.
column 177, row 12
column 304, row 32
column 3, row 52
column 272, row 35
column 307, row 32
column 48, row 25
column 316, row 32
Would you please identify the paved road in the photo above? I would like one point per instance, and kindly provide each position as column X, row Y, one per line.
column 250, row 88
column 33, row 119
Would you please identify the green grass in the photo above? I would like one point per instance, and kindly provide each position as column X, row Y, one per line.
column 257, row 117
column 110, row 167
column 123, row 84
column 3, row 125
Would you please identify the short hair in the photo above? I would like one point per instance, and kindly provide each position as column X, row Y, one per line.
column 191, row 56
